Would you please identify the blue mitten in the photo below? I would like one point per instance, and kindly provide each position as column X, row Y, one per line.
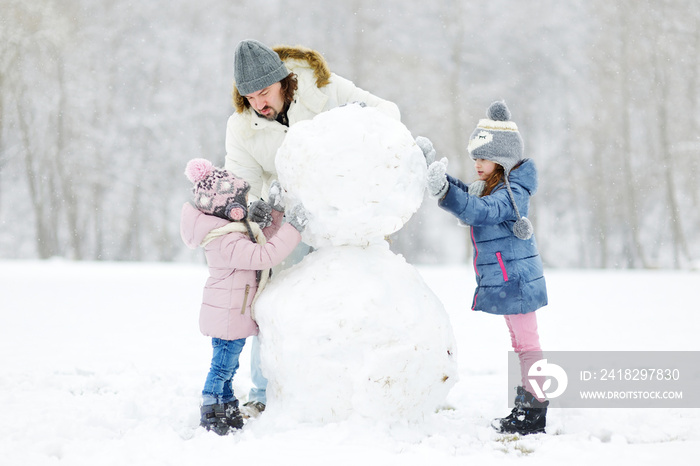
column 437, row 179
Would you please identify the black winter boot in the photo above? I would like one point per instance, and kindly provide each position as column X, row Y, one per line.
column 214, row 418
column 233, row 415
column 528, row 417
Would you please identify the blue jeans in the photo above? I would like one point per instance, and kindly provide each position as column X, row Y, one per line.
column 259, row 391
column 224, row 363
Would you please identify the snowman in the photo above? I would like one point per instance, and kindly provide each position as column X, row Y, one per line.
column 353, row 329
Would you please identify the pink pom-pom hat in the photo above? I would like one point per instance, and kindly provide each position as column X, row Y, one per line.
column 217, row 191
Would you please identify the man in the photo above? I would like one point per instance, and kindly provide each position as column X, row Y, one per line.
column 274, row 89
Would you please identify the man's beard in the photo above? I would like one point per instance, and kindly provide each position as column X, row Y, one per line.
column 270, row 116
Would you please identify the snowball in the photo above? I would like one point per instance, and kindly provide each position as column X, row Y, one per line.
column 359, row 174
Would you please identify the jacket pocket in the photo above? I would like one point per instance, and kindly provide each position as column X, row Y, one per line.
column 503, row 266
column 245, row 298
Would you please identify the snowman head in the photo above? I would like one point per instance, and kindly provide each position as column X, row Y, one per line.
column 358, row 173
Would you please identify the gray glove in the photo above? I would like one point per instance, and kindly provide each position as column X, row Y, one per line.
column 297, row 217
column 260, row 213
column 437, row 180
column 426, row 146
column 275, row 196
column 355, row 102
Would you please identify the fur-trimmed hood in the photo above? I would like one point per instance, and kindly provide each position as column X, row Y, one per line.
column 294, row 57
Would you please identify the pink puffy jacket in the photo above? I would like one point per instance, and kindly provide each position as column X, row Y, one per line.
column 233, row 260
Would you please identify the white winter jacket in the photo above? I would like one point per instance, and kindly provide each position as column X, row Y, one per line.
column 252, row 141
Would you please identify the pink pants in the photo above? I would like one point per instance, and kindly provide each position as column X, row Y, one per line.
column 526, row 343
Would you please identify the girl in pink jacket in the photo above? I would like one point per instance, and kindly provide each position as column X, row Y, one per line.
column 240, row 255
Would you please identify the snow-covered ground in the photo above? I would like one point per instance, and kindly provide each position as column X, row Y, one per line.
column 103, row 363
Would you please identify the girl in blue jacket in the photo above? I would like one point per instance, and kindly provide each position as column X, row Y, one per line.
column 509, row 275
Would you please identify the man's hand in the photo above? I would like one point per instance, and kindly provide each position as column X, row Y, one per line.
column 275, row 196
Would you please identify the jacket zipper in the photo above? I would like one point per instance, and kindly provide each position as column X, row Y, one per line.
column 503, row 266
column 476, row 251
column 476, row 271
column 245, row 298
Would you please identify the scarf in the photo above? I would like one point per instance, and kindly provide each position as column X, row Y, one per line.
column 256, row 235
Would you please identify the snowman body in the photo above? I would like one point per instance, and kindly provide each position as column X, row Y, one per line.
column 353, row 328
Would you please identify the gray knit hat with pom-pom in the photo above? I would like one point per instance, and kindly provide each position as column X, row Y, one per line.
column 497, row 139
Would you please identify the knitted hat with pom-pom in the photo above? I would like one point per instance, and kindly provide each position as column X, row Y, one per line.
column 217, row 191
column 497, row 139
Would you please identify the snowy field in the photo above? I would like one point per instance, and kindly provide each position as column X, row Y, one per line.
column 102, row 364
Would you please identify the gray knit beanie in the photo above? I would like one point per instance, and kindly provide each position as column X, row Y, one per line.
column 497, row 139
column 256, row 66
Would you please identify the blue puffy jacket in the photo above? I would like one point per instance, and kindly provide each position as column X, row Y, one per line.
column 509, row 274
